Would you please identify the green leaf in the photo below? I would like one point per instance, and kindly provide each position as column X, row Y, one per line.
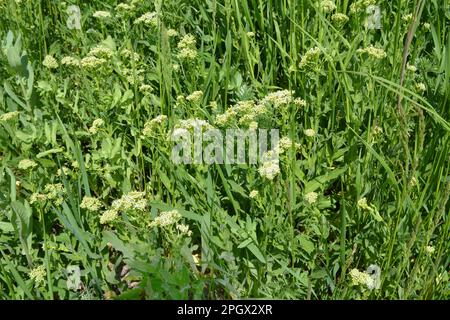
column 6, row 227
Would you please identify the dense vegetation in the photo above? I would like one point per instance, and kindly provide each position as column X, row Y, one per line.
column 93, row 207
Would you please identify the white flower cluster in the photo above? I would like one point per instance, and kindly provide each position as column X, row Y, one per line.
column 279, row 98
column 193, row 123
column 131, row 201
column 195, row 96
column 38, row 274
column 184, row 229
column 187, row 48
column 9, row 116
column 91, row 204
column 70, row 61
column 361, row 6
column 26, row 164
column 374, row 52
column 108, row 216
column 101, row 14
column 327, row 6
column 311, row 197
column 339, row 19
column 52, row 192
column 150, row 125
column 269, row 169
column 286, row 144
column 148, row 18
column 166, row 218
column 101, row 52
column 50, row 62
column 98, row 123
column 91, row 62
column 309, row 56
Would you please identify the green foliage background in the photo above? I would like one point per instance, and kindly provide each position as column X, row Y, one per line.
column 276, row 245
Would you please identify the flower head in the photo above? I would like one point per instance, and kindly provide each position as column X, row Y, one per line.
column 253, row 194
column 91, row 204
column 145, row 88
column 166, row 218
column 195, row 96
column 310, row 133
column 339, row 19
column 360, row 278
column 101, row 52
column 55, row 193
column 26, row 164
column 172, row 33
column 108, row 216
column 421, row 87
column 9, row 116
column 131, row 201
column 38, row 274
column 70, row 61
column 269, row 169
column 187, row 48
column 149, row 18
column 411, row 68
column 279, row 98
column 50, row 62
column 311, row 197
column 91, row 62
column 327, row 6
column 309, row 56
column 184, row 229
column 374, row 52
column 371, row 278
column 151, row 125
column 285, row 144
column 96, row 125
column 429, row 250
column 101, row 15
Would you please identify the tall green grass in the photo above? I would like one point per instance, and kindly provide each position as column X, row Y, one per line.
column 276, row 245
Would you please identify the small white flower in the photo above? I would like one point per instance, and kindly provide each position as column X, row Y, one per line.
column 269, row 169
column 195, row 96
column 91, row 204
column 70, row 61
column 108, row 216
column 327, row 6
column 421, row 87
column 411, row 68
column 166, row 218
column 311, row 197
column 96, row 125
column 172, row 33
column 149, row 18
column 9, row 116
column 429, row 250
column 38, row 274
column 26, row 164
